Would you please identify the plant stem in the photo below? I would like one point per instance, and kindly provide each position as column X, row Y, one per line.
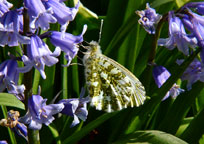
column 152, row 53
column 33, row 135
column 147, row 74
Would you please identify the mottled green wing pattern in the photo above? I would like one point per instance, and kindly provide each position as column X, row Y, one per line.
column 111, row 86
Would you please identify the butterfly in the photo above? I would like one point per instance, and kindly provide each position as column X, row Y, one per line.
column 110, row 85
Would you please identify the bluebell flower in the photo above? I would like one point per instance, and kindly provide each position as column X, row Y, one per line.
column 9, row 79
column 148, row 19
column 76, row 108
column 177, row 36
column 4, row 7
column 13, row 88
column 10, row 32
column 61, row 12
column 68, row 43
column 161, row 75
column 3, row 142
column 198, row 6
column 187, row 23
column 39, row 113
column 21, row 130
column 173, row 92
column 193, row 73
column 12, row 122
column 38, row 55
column 191, row 20
column 39, row 15
column 196, row 26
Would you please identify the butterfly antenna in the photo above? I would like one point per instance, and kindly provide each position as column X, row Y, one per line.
column 101, row 27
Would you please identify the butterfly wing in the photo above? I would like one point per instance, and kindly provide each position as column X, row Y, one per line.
column 111, row 86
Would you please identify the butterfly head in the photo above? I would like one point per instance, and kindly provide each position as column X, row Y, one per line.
column 94, row 48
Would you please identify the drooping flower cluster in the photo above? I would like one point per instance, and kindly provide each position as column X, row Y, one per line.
column 43, row 12
column 39, row 113
column 36, row 53
column 185, row 19
column 12, row 26
column 189, row 20
column 186, row 30
column 177, row 36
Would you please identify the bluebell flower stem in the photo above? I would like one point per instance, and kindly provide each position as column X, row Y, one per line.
column 36, row 81
column 27, row 76
column 33, row 135
column 147, row 74
column 155, row 39
column 64, row 79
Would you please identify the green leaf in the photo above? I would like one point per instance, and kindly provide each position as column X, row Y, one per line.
column 195, row 129
column 10, row 100
column 85, row 16
column 201, row 141
column 200, row 101
column 180, row 3
column 150, row 137
column 157, row 3
column 55, row 133
column 89, row 127
column 180, row 108
column 183, row 126
column 121, row 34
column 114, row 20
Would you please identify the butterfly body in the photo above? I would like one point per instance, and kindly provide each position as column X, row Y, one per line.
column 111, row 86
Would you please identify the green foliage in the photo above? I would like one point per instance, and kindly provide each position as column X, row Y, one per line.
column 150, row 137
column 89, row 127
column 178, row 120
column 55, row 133
column 10, row 100
column 180, row 3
